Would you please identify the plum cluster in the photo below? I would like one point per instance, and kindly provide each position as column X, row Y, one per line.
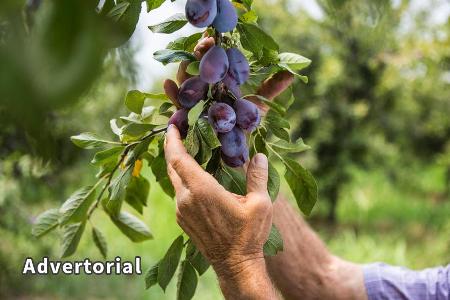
column 219, row 14
column 229, row 114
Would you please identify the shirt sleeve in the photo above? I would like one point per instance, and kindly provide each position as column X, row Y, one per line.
column 385, row 282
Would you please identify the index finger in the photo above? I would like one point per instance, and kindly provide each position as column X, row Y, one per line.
column 177, row 157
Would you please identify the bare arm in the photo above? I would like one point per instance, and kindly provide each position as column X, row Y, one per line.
column 306, row 269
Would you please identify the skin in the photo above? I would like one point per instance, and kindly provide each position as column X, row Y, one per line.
column 230, row 230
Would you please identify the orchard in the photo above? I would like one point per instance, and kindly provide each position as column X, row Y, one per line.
column 222, row 128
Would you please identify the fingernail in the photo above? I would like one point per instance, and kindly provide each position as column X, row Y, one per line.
column 170, row 127
column 261, row 160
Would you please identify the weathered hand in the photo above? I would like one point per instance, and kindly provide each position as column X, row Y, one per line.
column 230, row 230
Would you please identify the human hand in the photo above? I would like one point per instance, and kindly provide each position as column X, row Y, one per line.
column 228, row 229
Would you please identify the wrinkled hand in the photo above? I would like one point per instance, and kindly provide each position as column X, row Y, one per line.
column 229, row 230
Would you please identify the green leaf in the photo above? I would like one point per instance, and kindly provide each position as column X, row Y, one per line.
column 76, row 207
column 254, row 39
column 249, row 17
column 134, row 101
column 151, row 276
column 88, row 140
column 170, row 25
column 302, row 184
column 167, row 56
column 133, row 131
column 100, row 241
column 192, row 142
column 169, row 263
column 154, row 4
column 195, row 112
column 164, row 109
column 107, row 156
column 276, row 124
column 45, row 222
column 205, row 152
column 294, row 61
column 187, row 281
column 196, row 258
column 137, row 193
column 232, row 180
column 185, row 43
column 271, row 104
column 288, row 68
column 274, row 243
column 71, row 238
column 118, row 10
column 117, row 191
column 286, row 147
column 132, row 227
column 193, row 68
column 207, row 133
column 273, row 184
column 159, row 169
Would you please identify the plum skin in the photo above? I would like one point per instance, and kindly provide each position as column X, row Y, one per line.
column 180, row 120
column 247, row 115
column 239, row 69
column 222, row 117
column 237, row 161
column 214, row 65
column 201, row 13
column 233, row 142
column 192, row 91
column 226, row 19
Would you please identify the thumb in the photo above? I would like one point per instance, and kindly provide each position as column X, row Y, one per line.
column 257, row 174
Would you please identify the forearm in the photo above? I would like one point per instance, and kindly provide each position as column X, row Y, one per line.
column 248, row 280
column 306, row 269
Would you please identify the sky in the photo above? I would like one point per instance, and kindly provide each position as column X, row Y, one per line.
column 147, row 42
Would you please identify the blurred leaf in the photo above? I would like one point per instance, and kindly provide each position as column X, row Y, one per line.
column 169, row 263
column 274, row 243
column 196, row 258
column 71, row 238
column 167, row 56
column 185, row 43
column 249, row 17
column 76, row 207
column 273, row 184
column 106, row 156
column 118, row 10
column 195, row 112
column 137, row 193
column 90, row 140
column 134, row 101
column 136, row 230
column 170, row 25
column 187, row 281
column 208, row 134
column 154, row 4
column 294, row 61
column 286, row 147
column 45, row 222
column 232, row 180
column 117, row 191
column 193, row 68
column 151, row 276
column 100, row 241
column 302, row 184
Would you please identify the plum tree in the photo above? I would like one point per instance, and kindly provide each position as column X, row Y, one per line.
column 233, row 142
column 214, row 65
column 192, row 91
column 226, row 19
column 180, row 120
column 247, row 115
column 222, row 117
column 201, row 13
column 239, row 69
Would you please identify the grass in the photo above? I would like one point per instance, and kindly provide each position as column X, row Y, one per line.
column 378, row 221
